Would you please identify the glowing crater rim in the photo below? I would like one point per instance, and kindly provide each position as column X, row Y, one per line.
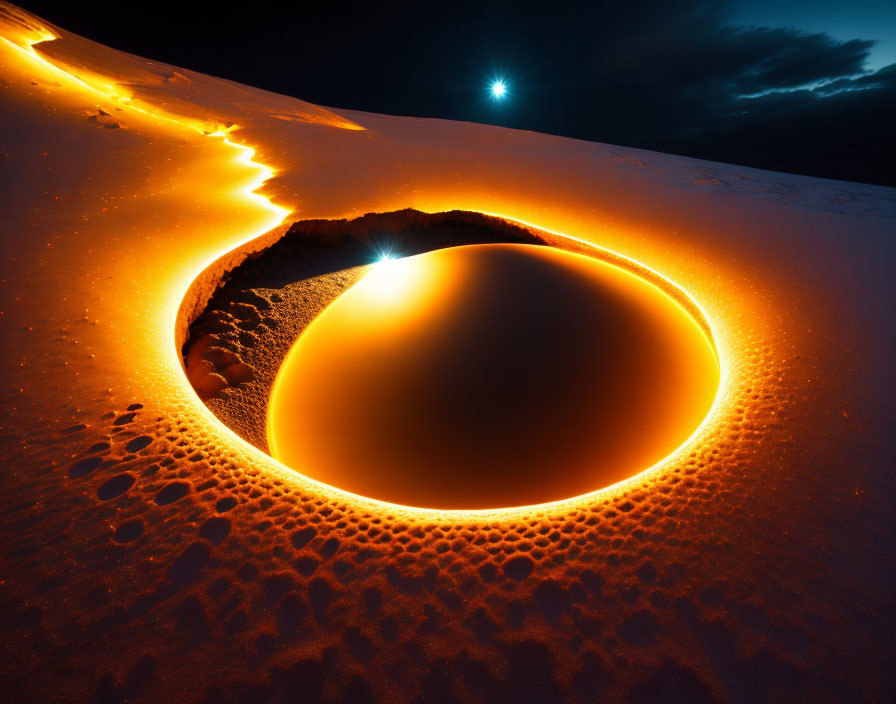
column 387, row 265
column 562, row 506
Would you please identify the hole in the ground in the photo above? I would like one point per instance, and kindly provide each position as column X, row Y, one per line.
column 478, row 365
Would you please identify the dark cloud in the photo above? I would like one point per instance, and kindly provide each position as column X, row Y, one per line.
column 669, row 75
column 785, row 58
column 884, row 79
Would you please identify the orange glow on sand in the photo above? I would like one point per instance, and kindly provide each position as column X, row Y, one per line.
column 749, row 563
column 227, row 216
column 491, row 376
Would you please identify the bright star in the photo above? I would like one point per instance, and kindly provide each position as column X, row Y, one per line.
column 498, row 89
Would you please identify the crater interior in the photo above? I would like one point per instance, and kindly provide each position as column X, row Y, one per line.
column 491, row 376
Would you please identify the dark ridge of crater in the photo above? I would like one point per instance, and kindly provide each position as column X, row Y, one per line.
column 313, row 248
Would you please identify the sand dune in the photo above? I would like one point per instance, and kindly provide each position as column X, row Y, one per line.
column 152, row 554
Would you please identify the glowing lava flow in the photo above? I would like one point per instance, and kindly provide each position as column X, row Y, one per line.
column 23, row 34
column 107, row 90
column 265, row 172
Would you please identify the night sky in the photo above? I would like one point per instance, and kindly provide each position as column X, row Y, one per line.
column 804, row 87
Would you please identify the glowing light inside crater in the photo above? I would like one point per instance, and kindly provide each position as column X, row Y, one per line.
column 389, row 279
column 491, row 376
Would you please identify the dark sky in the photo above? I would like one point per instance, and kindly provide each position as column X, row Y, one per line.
column 800, row 86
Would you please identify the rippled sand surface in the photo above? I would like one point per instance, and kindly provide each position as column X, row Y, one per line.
column 150, row 553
